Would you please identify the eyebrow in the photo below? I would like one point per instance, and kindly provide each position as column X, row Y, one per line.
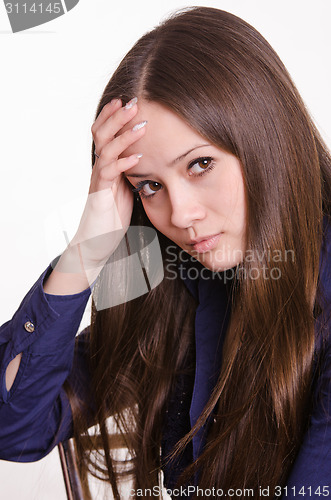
column 176, row 160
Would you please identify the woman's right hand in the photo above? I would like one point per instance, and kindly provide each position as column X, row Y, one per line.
column 108, row 209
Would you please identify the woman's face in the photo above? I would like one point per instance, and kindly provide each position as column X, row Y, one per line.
column 192, row 191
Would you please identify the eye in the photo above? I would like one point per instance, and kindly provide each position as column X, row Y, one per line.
column 197, row 167
column 150, row 188
column 146, row 189
column 201, row 166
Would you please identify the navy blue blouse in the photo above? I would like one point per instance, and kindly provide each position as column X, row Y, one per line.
column 35, row 414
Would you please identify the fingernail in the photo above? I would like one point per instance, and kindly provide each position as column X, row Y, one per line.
column 139, row 126
column 131, row 103
column 135, row 157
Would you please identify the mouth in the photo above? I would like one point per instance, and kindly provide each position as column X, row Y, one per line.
column 204, row 243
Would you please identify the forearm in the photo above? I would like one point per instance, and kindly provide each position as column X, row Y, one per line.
column 73, row 273
column 60, row 282
column 36, row 351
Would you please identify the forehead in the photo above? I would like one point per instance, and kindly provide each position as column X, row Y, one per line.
column 166, row 133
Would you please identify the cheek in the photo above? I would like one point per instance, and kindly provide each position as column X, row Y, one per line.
column 237, row 210
column 229, row 198
column 232, row 193
column 156, row 217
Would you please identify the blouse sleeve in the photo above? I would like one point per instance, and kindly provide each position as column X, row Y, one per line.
column 35, row 413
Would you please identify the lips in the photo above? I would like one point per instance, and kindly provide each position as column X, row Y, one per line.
column 205, row 243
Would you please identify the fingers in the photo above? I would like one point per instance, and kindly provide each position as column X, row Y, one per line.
column 112, row 170
column 109, row 164
column 112, row 118
column 117, row 146
column 103, row 177
column 105, row 113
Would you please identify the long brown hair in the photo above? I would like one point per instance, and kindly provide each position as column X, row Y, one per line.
column 221, row 76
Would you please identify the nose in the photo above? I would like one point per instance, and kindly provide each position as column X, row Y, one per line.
column 186, row 208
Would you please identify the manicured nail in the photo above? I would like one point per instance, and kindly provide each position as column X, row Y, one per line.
column 135, row 157
column 131, row 103
column 139, row 126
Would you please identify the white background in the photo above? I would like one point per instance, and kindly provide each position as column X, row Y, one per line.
column 52, row 77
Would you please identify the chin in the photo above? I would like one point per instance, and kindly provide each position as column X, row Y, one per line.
column 217, row 266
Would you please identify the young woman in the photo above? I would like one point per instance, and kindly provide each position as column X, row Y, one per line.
column 220, row 373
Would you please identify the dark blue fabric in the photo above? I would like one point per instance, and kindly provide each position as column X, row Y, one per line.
column 192, row 391
column 312, row 468
column 212, row 291
column 35, row 414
